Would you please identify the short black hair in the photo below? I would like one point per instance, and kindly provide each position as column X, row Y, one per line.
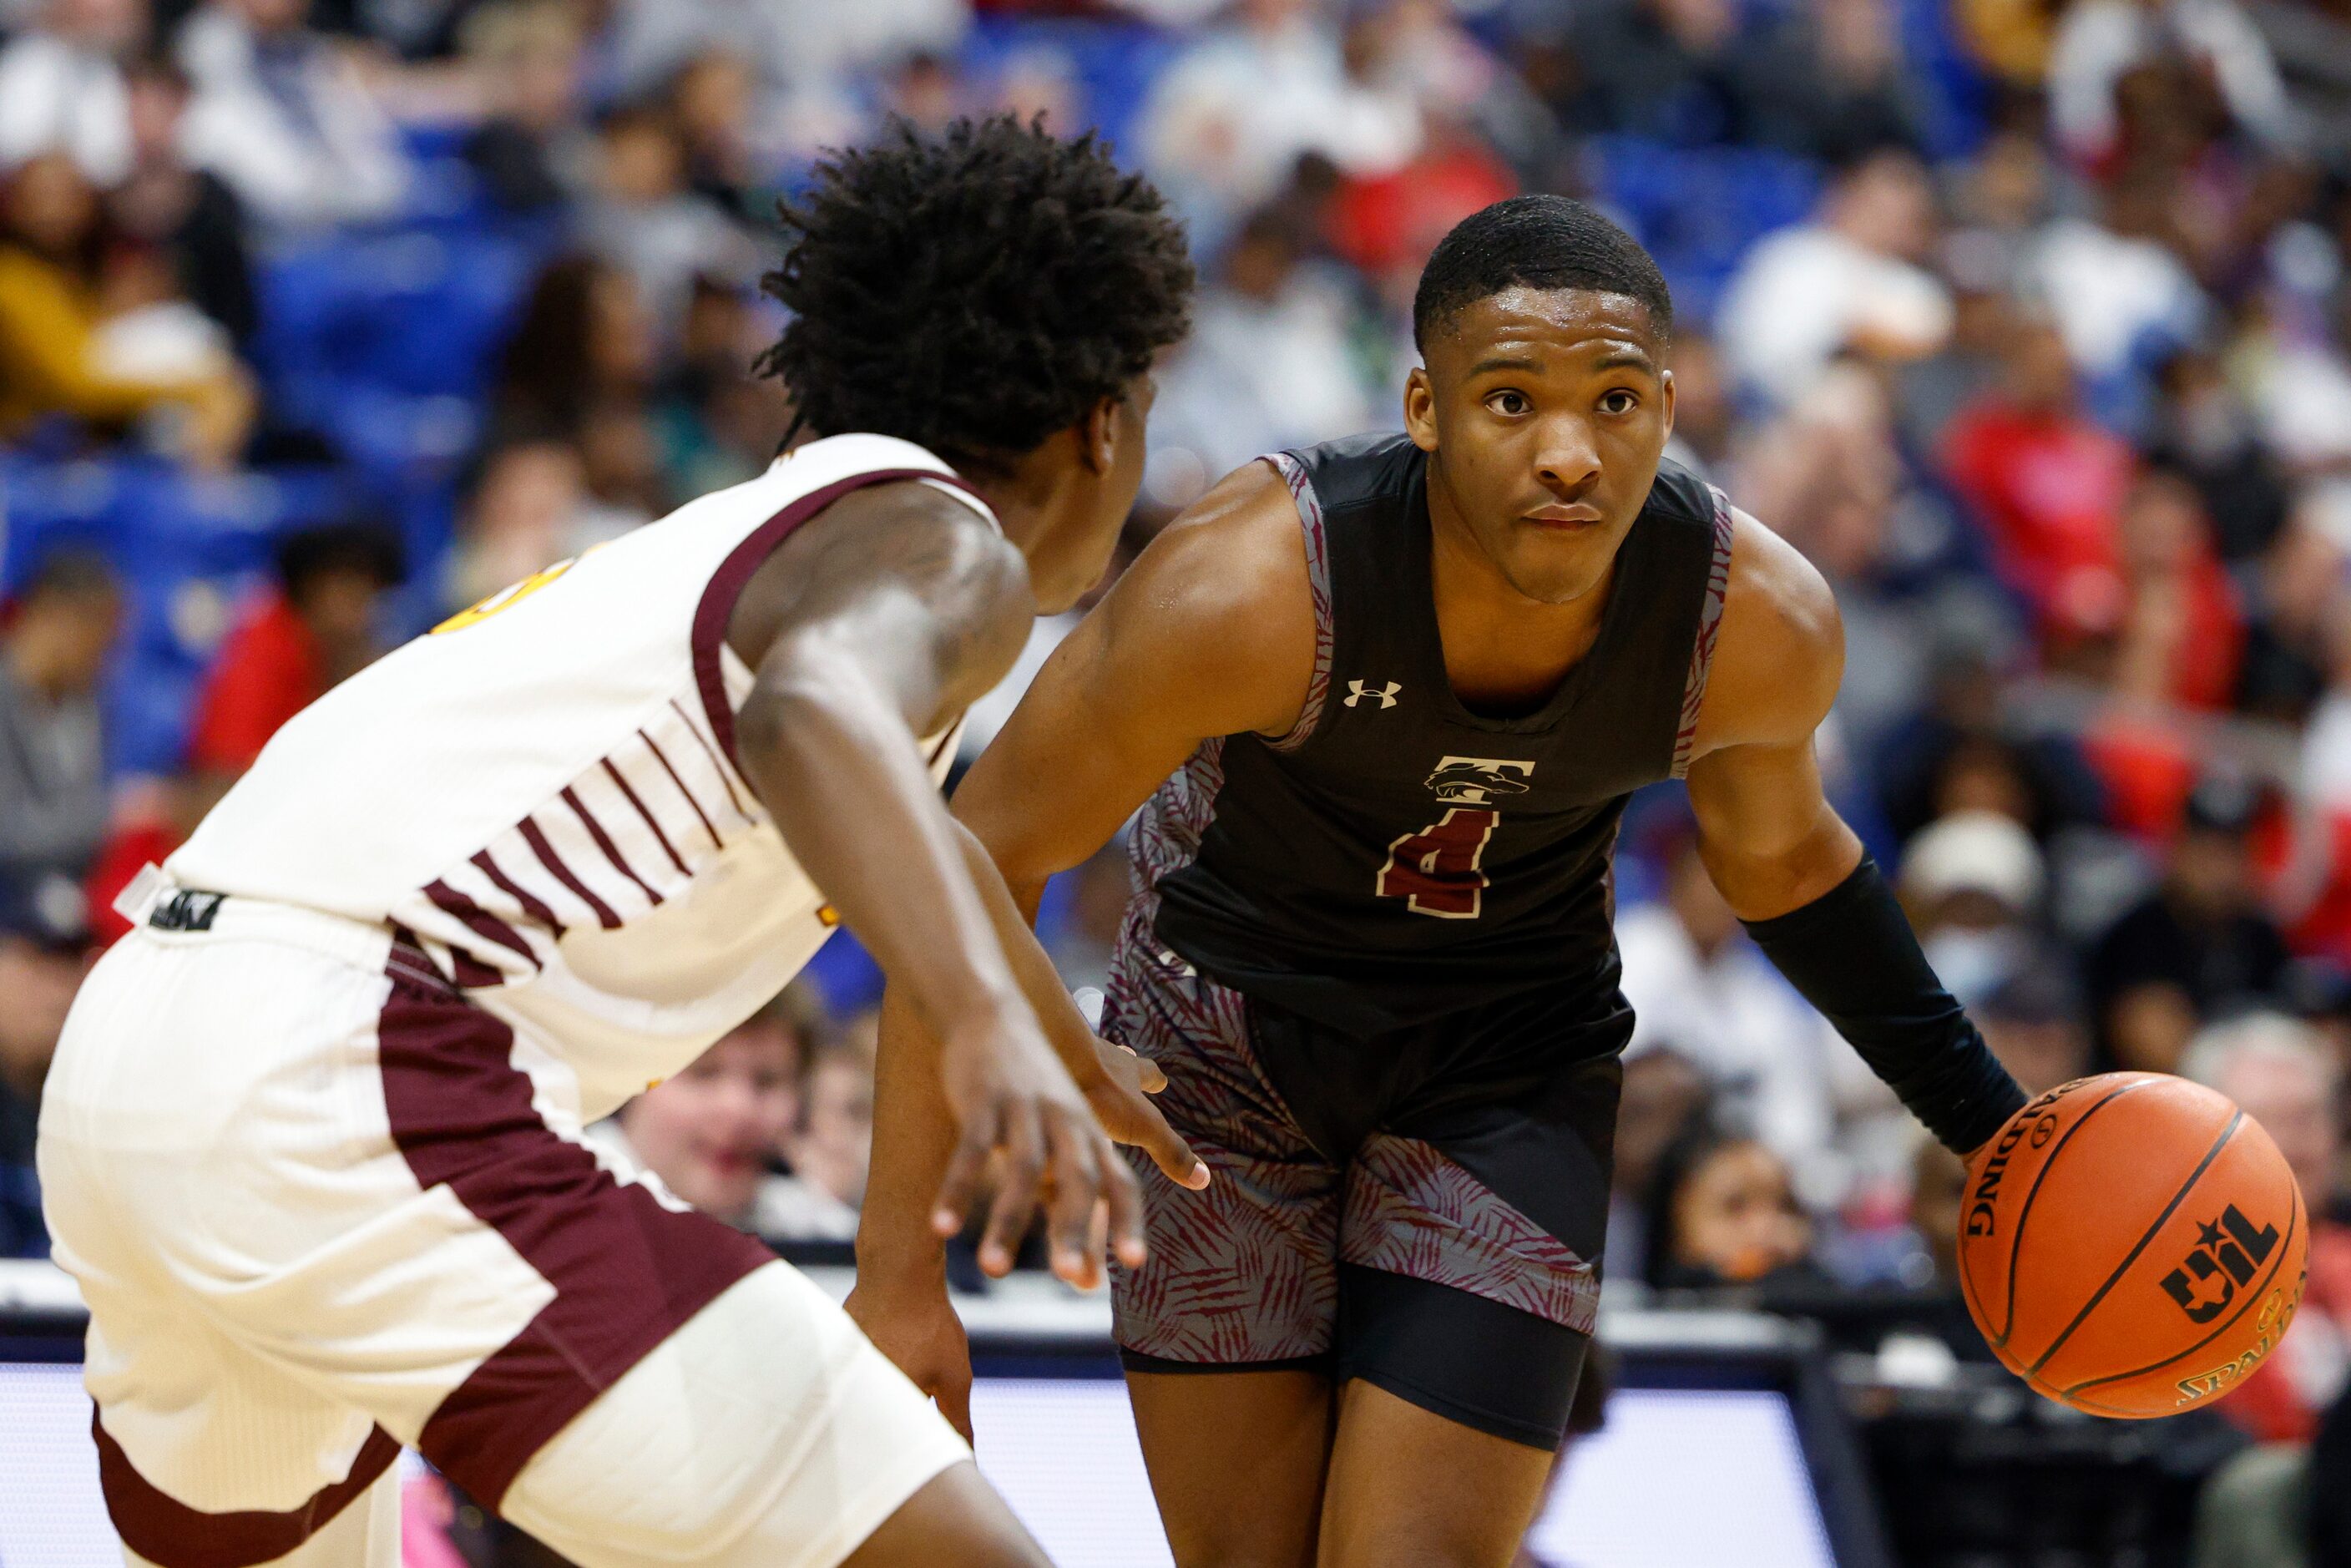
column 363, row 547
column 974, row 292
column 1537, row 242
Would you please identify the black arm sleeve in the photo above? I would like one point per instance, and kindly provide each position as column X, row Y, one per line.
column 1854, row 957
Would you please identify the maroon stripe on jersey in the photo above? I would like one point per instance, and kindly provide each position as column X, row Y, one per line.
column 530, row 901
column 470, row 973
column 169, row 1534
column 726, row 586
column 1709, row 630
column 716, row 763
column 627, row 1273
column 660, row 837
column 604, row 842
column 536, row 840
column 662, row 758
column 479, row 921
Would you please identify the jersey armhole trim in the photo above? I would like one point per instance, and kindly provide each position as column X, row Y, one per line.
column 1318, row 580
column 716, row 607
column 1709, row 631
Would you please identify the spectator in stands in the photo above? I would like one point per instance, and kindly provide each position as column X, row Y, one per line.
column 2197, row 948
column 2033, row 1019
column 1848, row 281
column 1226, row 124
column 2047, row 484
column 1270, row 361
column 584, row 339
column 41, row 946
column 644, row 218
column 317, row 626
column 1668, row 70
column 1698, row 985
column 829, row 1144
column 183, row 213
column 58, row 633
column 1663, row 1093
column 2101, row 41
column 57, row 356
column 527, row 510
column 1723, row 1212
column 2119, row 290
column 791, row 43
column 529, row 148
column 1972, row 884
column 2281, row 1073
column 712, row 1132
column 283, row 115
column 62, row 87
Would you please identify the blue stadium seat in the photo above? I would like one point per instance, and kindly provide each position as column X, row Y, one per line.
column 1698, row 208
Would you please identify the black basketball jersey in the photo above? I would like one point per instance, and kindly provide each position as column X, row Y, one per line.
column 1395, row 855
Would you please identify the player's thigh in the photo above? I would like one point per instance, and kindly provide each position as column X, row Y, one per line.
column 957, row 1518
column 1236, row 1461
column 765, row 1433
column 1411, row 1489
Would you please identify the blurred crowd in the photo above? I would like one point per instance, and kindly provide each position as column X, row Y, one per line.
column 2029, row 321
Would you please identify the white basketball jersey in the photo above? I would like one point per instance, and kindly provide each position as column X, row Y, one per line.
column 544, row 791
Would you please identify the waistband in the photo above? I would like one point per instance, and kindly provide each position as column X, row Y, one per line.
column 160, row 908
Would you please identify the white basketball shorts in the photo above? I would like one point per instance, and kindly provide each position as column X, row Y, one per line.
column 320, row 1207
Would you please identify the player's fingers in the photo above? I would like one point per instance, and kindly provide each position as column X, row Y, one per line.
column 1016, row 1191
column 967, row 1170
column 1167, row 1148
column 1146, row 1071
column 1122, row 1207
column 1076, row 1176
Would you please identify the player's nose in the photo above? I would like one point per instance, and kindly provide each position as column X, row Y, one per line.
column 1568, row 460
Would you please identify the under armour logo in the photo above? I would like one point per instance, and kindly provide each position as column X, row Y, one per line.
column 1357, row 692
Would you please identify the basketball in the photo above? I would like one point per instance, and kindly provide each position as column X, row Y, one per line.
column 2132, row 1244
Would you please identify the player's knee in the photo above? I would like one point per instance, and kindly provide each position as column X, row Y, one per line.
column 956, row 1517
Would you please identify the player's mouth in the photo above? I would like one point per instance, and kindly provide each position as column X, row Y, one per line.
column 1565, row 515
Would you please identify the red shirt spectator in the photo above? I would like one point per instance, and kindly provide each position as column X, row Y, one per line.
column 2049, row 486
column 270, row 668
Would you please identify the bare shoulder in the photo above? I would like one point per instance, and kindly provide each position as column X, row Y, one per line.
column 902, row 539
column 1223, row 601
column 1780, row 653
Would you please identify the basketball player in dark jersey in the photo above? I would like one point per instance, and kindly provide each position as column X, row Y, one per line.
column 1384, row 699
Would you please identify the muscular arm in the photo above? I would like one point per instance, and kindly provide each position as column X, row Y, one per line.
column 878, row 621
column 1210, row 633
column 1768, row 836
column 1789, row 866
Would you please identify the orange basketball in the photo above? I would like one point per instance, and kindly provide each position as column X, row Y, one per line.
column 2132, row 1244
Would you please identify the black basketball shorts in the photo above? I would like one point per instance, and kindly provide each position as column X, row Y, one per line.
column 1424, row 1209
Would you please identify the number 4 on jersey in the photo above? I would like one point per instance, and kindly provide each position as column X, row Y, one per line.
column 1435, row 870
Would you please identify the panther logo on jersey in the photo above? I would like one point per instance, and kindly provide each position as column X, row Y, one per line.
column 1476, row 780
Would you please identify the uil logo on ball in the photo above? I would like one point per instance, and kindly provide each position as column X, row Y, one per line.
column 2229, row 1251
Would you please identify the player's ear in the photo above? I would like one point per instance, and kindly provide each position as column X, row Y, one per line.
column 1666, row 387
column 1420, row 409
column 1098, row 434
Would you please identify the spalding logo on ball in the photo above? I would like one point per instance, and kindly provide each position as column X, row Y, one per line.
column 2132, row 1244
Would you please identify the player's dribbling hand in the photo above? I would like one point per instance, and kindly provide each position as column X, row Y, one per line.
column 916, row 1327
column 1016, row 1105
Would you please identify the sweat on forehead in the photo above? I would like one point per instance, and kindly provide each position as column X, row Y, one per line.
column 1540, row 242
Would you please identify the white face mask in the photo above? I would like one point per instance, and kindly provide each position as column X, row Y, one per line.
column 1972, row 963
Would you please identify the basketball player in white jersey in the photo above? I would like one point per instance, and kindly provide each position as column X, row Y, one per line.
column 312, row 1140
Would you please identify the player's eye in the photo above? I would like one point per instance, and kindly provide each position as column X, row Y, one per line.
column 1618, row 402
column 1508, row 403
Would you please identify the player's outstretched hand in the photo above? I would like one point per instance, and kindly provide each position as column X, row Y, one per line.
column 916, row 1327
column 1015, row 1105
